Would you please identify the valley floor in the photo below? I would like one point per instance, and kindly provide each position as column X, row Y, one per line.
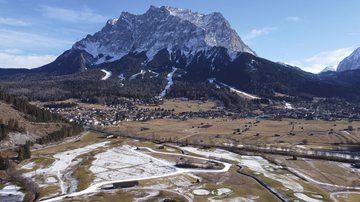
column 94, row 167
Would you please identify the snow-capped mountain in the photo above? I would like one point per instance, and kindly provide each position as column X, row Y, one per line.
column 161, row 28
column 328, row 69
column 351, row 62
column 167, row 51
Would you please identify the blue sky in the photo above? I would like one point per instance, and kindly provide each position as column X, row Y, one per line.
column 309, row 34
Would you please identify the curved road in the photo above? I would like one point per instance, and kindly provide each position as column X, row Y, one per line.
column 96, row 187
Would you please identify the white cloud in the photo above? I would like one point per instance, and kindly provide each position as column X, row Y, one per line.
column 293, row 19
column 8, row 60
column 13, row 22
column 323, row 59
column 84, row 15
column 255, row 33
column 13, row 51
column 20, row 40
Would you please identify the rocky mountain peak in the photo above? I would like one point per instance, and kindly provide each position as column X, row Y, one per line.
column 160, row 28
column 351, row 62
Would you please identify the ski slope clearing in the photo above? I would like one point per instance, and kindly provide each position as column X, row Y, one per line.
column 107, row 74
column 169, row 83
column 142, row 72
column 240, row 93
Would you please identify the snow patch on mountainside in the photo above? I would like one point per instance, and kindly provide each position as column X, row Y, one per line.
column 288, row 105
column 241, row 93
column 170, row 82
column 212, row 81
column 142, row 72
column 107, row 74
column 154, row 73
column 121, row 77
column 351, row 62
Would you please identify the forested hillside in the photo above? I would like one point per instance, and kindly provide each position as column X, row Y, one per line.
column 24, row 124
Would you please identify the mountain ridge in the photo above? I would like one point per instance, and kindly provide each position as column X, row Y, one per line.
column 161, row 28
column 351, row 62
column 154, row 56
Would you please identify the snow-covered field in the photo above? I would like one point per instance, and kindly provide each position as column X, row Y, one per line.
column 63, row 163
column 288, row 105
column 217, row 192
column 169, row 83
column 201, row 192
column 123, row 162
column 222, row 191
column 107, row 74
column 306, row 198
column 11, row 193
column 255, row 163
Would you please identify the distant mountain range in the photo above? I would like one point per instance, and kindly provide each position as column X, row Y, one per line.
column 328, row 69
column 352, row 62
column 168, row 49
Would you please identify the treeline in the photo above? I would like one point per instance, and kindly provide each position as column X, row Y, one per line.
column 87, row 88
column 64, row 132
column 32, row 113
column 35, row 114
column 205, row 91
column 11, row 126
column 84, row 86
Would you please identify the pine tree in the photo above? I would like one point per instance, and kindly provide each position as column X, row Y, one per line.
column 4, row 163
column 24, row 151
